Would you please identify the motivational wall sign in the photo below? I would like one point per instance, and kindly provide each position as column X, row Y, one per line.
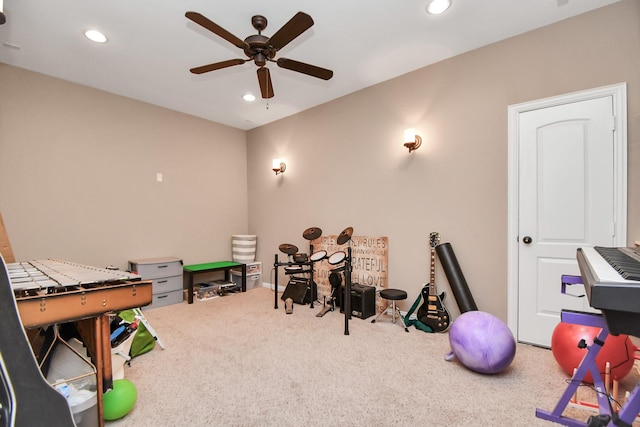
column 369, row 262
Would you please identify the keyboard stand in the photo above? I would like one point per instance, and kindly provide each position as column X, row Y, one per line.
column 607, row 417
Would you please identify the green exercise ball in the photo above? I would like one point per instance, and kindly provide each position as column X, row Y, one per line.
column 120, row 400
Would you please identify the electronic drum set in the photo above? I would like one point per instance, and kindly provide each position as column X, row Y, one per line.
column 302, row 289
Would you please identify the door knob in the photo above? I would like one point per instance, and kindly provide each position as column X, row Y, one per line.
column 526, row 240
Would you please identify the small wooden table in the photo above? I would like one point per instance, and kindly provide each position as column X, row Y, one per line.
column 207, row 267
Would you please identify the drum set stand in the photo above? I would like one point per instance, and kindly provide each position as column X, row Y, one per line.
column 298, row 264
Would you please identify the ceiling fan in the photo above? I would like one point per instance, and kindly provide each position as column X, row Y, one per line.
column 262, row 49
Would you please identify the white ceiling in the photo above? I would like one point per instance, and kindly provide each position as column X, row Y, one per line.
column 152, row 46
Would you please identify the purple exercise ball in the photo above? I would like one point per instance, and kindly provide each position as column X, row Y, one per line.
column 482, row 342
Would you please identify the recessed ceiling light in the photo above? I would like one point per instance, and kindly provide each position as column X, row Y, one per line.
column 436, row 7
column 249, row 97
column 95, row 36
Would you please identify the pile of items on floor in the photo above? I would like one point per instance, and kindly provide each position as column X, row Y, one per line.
column 214, row 289
column 67, row 367
column 131, row 336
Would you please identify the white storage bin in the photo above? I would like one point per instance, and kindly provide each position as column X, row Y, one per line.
column 253, row 280
column 243, row 247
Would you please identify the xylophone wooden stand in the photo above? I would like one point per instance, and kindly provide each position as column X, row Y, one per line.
column 607, row 415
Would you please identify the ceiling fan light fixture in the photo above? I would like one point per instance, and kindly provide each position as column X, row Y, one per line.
column 436, row 7
column 249, row 97
column 262, row 49
column 96, row 36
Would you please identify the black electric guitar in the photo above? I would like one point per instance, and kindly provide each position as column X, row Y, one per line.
column 432, row 312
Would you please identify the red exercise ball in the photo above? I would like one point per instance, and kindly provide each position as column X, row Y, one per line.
column 617, row 350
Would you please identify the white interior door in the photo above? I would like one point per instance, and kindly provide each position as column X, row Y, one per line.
column 566, row 199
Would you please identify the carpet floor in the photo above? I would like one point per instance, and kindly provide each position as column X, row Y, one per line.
column 236, row 361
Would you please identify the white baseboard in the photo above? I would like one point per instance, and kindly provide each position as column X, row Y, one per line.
column 270, row 286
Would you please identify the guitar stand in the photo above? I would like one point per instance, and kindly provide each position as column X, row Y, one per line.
column 607, row 415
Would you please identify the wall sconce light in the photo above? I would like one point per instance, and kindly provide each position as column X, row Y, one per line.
column 411, row 140
column 278, row 166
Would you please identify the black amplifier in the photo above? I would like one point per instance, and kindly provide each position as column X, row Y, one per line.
column 363, row 300
column 299, row 290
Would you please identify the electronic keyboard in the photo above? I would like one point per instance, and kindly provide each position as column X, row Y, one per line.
column 612, row 283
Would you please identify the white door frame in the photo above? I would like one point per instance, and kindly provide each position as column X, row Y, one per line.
column 619, row 94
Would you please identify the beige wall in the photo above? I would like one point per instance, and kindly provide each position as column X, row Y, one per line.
column 78, row 171
column 78, row 166
column 346, row 165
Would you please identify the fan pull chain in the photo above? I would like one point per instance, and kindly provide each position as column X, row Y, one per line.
column 267, row 89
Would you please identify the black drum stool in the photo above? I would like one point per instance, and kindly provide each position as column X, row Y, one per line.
column 393, row 295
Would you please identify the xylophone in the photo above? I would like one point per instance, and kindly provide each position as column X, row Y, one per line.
column 49, row 292
column 52, row 291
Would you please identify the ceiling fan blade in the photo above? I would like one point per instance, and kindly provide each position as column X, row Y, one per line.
column 216, row 29
column 264, row 79
column 217, row 66
column 297, row 25
column 301, row 67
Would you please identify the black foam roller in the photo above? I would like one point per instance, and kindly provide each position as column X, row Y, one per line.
column 455, row 277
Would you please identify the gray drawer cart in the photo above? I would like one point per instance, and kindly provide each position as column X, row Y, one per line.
column 166, row 276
